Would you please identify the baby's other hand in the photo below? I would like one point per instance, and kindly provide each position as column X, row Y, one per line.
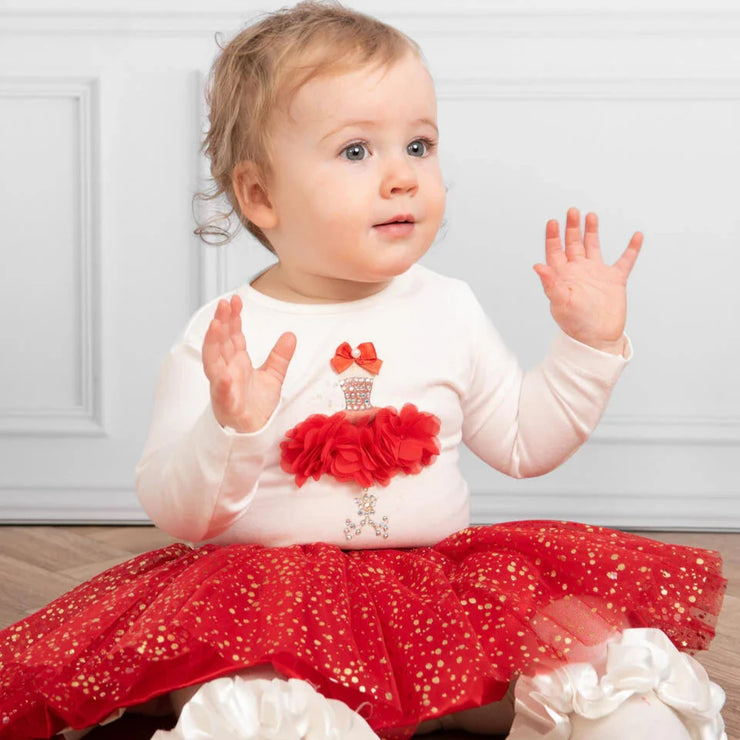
column 242, row 397
column 588, row 298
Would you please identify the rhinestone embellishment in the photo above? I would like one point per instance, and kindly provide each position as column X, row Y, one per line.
column 366, row 509
column 357, row 393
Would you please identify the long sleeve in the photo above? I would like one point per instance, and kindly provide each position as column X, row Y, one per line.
column 526, row 424
column 195, row 478
column 439, row 351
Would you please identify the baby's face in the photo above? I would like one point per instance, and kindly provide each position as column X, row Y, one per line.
column 351, row 154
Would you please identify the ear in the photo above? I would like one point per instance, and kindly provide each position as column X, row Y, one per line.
column 254, row 201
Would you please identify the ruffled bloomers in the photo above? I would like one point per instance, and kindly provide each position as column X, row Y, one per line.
column 265, row 708
column 399, row 635
column 642, row 668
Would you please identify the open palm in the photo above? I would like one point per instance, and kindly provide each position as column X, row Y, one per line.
column 242, row 397
column 588, row 298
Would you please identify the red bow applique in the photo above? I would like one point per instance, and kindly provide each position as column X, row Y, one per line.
column 364, row 356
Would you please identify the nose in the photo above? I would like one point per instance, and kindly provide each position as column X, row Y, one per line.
column 399, row 178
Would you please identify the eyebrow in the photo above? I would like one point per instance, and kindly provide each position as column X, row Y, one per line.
column 346, row 124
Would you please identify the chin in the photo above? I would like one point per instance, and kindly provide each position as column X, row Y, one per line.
column 395, row 264
column 390, row 272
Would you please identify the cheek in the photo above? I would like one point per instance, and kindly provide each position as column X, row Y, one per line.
column 312, row 193
column 312, row 208
column 438, row 196
column 333, row 191
column 341, row 201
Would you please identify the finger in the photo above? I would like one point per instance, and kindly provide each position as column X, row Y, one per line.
column 235, row 325
column 546, row 276
column 222, row 319
column 627, row 261
column 573, row 241
column 222, row 311
column 591, row 237
column 228, row 350
column 228, row 345
column 211, row 353
column 236, row 303
column 279, row 358
column 554, row 255
column 218, row 335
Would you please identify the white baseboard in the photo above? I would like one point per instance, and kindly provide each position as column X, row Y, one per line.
column 61, row 505
column 718, row 511
column 686, row 511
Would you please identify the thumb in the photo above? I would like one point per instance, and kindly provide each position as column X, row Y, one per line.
column 546, row 277
column 280, row 356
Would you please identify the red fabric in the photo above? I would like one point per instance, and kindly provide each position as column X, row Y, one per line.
column 369, row 449
column 400, row 635
column 368, row 358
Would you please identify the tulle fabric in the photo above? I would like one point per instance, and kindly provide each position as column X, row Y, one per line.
column 399, row 635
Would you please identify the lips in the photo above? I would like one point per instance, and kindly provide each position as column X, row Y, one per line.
column 400, row 219
column 397, row 228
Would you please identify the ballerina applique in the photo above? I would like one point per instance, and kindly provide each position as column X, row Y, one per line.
column 363, row 444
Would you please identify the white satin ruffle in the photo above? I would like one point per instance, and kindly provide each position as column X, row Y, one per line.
column 249, row 708
column 638, row 662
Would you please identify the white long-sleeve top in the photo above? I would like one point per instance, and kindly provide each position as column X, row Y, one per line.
column 201, row 482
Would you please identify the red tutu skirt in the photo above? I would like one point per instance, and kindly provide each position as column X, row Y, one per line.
column 399, row 635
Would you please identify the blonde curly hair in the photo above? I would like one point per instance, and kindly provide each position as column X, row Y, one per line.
column 262, row 68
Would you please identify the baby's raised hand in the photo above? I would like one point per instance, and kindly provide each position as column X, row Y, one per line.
column 588, row 298
column 242, row 397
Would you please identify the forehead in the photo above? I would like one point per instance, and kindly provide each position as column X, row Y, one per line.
column 403, row 88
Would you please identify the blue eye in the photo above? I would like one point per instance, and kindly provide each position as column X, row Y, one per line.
column 419, row 147
column 355, row 152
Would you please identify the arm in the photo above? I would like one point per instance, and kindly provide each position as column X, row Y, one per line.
column 208, row 439
column 527, row 424
column 195, row 477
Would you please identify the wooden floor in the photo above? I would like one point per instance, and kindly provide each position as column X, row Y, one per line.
column 37, row 564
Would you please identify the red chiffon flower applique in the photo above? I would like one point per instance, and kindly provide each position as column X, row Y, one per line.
column 364, row 444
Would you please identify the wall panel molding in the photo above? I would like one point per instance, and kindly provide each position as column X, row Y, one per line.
column 213, row 262
column 86, row 418
column 563, row 89
column 465, row 18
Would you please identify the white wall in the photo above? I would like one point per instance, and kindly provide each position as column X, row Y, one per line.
column 629, row 110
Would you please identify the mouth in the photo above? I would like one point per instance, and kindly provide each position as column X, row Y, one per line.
column 395, row 228
column 403, row 218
